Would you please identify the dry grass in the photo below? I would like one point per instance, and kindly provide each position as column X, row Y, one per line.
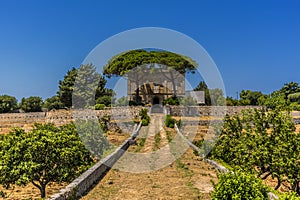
column 186, row 178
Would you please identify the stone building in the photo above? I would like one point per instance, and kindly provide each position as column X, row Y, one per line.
column 154, row 84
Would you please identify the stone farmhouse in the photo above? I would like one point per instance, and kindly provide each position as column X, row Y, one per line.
column 153, row 85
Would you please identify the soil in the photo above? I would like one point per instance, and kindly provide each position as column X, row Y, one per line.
column 185, row 178
column 30, row 191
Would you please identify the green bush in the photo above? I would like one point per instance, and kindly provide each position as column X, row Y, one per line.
column 169, row 121
column 99, row 107
column 295, row 97
column 171, row 101
column 105, row 99
column 145, row 122
column 144, row 116
column 295, row 106
column 104, row 122
column 289, row 196
column 238, row 185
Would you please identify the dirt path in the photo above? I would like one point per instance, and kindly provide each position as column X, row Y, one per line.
column 185, row 178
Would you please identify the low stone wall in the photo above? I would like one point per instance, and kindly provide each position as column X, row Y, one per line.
column 296, row 120
column 207, row 110
column 61, row 117
column 89, row 178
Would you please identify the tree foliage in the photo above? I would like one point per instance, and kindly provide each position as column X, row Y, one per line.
column 289, row 88
column 122, row 63
column 248, row 97
column 66, row 86
column 53, row 103
column 217, row 97
column 171, row 101
column 295, row 97
column 91, row 133
column 203, row 87
column 90, row 86
column 122, row 101
column 239, row 186
column 137, row 61
column 264, row 143
column 7, row 103
column 144, row 116
column 31, row 104
column 286, row 98
column 45, row 154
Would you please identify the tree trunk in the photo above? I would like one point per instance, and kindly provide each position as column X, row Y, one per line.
column 173, row 84
column 137, row 92
column 43, row 191
column 41, row 187
column 296, row 187
column 266, row 176
column 278, row 183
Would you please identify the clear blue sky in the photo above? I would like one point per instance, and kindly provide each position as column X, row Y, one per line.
column 255, row 44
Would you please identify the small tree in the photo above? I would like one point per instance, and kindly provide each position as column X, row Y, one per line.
column 264, row 143
column 53, row 103
column 66, row 87
column 46, row 154
column 203, row 87
column 90, row 85
column 31, row 104
column 7, row 103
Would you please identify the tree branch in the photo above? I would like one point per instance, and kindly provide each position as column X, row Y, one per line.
column 36, row 185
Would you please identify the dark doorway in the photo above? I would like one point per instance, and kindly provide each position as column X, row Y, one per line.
column 155, row 100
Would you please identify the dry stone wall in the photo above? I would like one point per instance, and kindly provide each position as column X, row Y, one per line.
column 207, row 110
column 61, row 117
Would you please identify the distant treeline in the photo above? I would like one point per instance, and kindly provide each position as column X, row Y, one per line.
column 287, row 97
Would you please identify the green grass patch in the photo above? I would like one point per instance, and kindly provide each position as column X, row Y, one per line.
column 169, row 136
column 157, row 139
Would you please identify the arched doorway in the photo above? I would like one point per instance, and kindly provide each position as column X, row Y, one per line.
column 155, row 100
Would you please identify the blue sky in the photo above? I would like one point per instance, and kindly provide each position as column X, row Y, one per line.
column 255, row 44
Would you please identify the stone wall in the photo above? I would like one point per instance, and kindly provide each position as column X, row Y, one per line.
column 61, row 117
column 207, row 110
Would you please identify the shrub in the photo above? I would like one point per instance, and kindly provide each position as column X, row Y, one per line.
column 295, row 106
column 99, row 107
column 238, row 185
column 104, row 122
column 169, row 121
column 171, row 101
column 132, row 103
column 145, row 122
column 289, row 196
column 144, row 116
column 295, row 97
column 105, row 99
